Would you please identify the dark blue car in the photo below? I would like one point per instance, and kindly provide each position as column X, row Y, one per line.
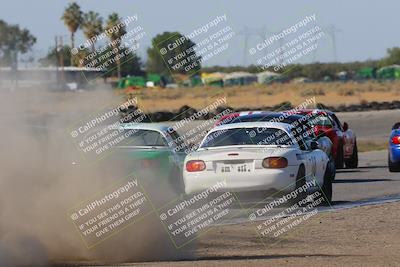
column 394, row 149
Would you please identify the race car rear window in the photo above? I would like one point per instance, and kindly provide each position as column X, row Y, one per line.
column 396, row 126
column 247, row 136
column 135, row 137
column 295, row 120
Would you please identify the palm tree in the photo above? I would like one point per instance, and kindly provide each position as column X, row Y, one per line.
column 92, row 26
column 115, row 35
column 72, row 18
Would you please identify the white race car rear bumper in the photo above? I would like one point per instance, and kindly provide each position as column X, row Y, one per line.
column 257, row 180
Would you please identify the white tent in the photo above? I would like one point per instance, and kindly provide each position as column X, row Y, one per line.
column 267, row 77
column 239, row 78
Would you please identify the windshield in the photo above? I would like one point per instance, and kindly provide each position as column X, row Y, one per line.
column 303, row 128
column 135, row 137
column 246, row 136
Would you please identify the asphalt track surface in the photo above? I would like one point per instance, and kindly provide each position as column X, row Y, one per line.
column 371, row 180
column 371, row 125
column 370, row 184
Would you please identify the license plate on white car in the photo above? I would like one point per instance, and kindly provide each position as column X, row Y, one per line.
column 234, row 168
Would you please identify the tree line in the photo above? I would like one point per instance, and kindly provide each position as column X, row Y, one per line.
column 15, row 41
column 92, row 25
column 317, row 71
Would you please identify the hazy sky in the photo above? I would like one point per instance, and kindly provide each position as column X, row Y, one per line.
column 366, row 28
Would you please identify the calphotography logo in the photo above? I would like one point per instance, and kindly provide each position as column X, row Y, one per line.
column 186, row 219
column 110, row 212
column 186, row 53
column 286, row 47
column 97, row 136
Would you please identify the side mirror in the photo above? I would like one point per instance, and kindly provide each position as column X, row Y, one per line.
column 314, row 145
column 345, row 126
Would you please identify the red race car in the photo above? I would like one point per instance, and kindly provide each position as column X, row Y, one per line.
column 344, row 140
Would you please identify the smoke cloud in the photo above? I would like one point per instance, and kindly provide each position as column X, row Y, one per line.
column 43, row 175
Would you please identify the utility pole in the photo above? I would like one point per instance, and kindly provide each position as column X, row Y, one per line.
column 59, row 50
column 57, row 61
column 332, row 30
column 62, row 61
column 245, row 32
column 15, row 66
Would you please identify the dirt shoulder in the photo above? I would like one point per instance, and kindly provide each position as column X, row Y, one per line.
column 364, row 236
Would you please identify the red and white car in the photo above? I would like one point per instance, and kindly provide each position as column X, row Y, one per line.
column 344, row 140
column 325, row 122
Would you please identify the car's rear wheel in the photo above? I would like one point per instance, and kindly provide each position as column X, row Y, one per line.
column 326, row 188
column 339, row 157
column 300, row 182
column 352, row 162
column 393, row 167
column 332, row 166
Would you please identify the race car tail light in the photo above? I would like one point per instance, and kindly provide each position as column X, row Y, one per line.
column 195, row 166
column 396, row 140
column 275, row 163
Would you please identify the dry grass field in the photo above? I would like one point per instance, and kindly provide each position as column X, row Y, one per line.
column 254, row 96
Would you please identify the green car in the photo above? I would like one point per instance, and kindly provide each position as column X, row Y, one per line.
column 153, row 150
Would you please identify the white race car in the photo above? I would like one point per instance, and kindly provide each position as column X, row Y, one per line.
column 257, row 156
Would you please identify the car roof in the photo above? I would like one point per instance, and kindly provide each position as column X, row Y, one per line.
column 396, row 126
column 269, row 115
column 146, row 126
column 315, row 111
column 231, row 116
column 278, row 125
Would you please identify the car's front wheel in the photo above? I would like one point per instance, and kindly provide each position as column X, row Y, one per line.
column 352, row 162
column 339, row 157
column 332, row 166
